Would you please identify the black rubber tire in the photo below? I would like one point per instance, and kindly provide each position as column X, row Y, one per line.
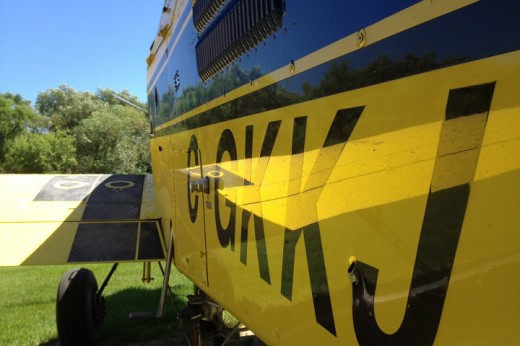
column 76, row 308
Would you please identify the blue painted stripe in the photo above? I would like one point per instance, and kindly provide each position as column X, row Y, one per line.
column 307, row 26
column 478, row 31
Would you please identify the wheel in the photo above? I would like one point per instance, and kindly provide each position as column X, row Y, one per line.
column 79, row 314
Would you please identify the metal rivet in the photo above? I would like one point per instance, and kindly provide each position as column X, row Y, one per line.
column 361, row 38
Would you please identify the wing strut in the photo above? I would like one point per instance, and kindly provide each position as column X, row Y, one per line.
column 165, row 290
column 166, row 273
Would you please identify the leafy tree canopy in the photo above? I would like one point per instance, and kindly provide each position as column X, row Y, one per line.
column 15, row 116
column 66, row 107
column 73, row 132
column 115, row 140
column 42, row 153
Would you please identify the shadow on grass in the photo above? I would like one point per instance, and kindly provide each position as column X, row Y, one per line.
column 119, row 329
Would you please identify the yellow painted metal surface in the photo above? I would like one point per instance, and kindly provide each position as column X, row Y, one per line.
column 40, row 216
column 368, row 198
column 276, row 233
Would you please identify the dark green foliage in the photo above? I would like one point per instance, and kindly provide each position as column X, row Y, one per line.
column 15, row 116
column 73, row 132
column 66, row 107
column 113, row 140
column 31, row 152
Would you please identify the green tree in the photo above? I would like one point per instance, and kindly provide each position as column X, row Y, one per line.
column 73, row 132
column 109, row 135
column 15, row 116
column 66, row 107
column 41, row 153
column 113, row 140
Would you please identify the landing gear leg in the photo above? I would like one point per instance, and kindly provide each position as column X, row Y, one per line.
column 209, row 325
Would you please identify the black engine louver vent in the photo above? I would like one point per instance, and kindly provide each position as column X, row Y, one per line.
column 203, row 11
column 240, row 27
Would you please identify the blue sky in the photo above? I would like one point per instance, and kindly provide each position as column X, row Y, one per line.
column 86, row 44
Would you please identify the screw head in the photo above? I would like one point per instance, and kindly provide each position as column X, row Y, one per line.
column 361, row 38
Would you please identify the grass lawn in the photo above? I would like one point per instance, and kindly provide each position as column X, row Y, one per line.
column 28, row 299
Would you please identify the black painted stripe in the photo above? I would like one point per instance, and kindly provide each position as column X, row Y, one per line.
column 104, row 242
column 462, row 36
column 441, row 229
column 435, row 256
column 115, row 197
column 118, row 197
column 317, row 272
column 270, row 137
column 261, row 249
column 113, row 242
column 339, row 132
column 343, row 125
column 108, row 198
column 469, row 100
column 149, row 243
column 318, row 278
column 298, row 140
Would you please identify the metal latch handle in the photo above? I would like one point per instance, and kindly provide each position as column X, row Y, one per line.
column 199, row 185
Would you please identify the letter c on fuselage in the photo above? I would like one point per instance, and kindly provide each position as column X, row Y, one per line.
column 192, row 150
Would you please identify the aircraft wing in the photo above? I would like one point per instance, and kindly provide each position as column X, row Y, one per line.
column 58, row 219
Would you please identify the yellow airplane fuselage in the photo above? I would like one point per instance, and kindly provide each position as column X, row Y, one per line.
column 364, row 192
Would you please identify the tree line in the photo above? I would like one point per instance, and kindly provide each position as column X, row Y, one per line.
column 67, row 131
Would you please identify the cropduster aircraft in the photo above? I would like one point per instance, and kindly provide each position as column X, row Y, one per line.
column 331, row 173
